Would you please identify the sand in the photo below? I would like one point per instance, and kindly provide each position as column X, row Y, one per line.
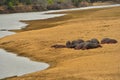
column 69, row 64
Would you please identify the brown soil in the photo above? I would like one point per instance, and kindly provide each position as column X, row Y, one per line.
column 105, row 3
column 69, row 64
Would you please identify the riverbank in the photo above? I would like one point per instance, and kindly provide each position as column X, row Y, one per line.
column 44, row 6
column 69, row 64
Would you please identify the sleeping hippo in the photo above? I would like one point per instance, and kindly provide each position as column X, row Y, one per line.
column 74, row 43
column 87, row 45
column 108, row 41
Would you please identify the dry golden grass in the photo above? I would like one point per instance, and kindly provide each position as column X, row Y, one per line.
column 69, row 64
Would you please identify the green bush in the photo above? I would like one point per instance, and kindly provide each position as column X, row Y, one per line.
column 10, row 5
column 77, row 2
column 28, row 2
column 50, row 1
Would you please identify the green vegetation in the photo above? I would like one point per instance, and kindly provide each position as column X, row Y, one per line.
column 53, row 1
column 50, row 2
column 7, row 6
column 16, row 2
column 77, row 2
column 10, row 5
column 28, row 2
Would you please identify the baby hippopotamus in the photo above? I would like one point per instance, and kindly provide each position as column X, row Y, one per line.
column 108, row 41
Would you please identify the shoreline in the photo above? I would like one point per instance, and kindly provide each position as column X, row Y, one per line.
column 66, row 15
column 60, row 40
column 98, row 3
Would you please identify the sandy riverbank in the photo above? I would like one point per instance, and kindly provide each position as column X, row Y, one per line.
column 68, row 64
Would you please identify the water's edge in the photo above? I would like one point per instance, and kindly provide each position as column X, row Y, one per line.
column 19, row 65
column 13, row 61
column 14, row 20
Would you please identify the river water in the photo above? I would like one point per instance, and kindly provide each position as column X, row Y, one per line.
column 13, row 65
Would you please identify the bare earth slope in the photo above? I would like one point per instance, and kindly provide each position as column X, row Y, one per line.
column 69, row 64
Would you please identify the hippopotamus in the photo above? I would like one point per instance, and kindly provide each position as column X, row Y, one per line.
column 87, row 45
column 58, row 46
column 74, row 43
column 80, row 46
column 94, row 40
column 69, row 44
column 108, row 41
column 90, row 45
